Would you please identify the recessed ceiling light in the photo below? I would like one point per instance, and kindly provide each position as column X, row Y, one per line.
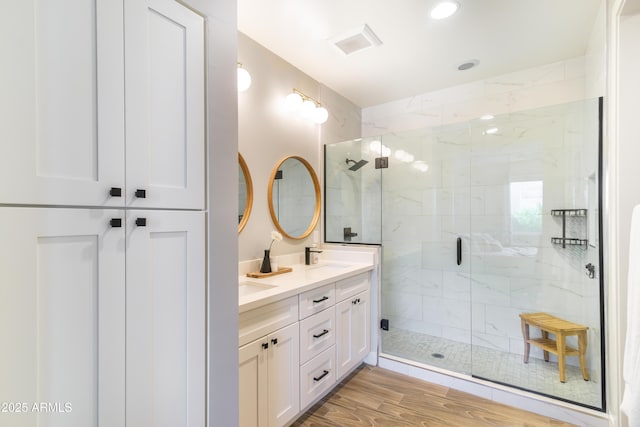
column 467, row 65
column 444, row 9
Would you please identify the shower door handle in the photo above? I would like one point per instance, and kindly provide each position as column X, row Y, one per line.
column 459, row 250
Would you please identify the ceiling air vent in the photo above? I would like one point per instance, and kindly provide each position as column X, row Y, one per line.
column 356, row 40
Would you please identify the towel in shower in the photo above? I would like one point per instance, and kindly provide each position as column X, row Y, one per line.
column 631, row 369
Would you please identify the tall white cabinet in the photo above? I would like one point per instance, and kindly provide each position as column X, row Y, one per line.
column 71, row 132
column 102, row 299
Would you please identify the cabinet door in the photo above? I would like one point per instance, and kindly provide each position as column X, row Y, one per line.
column 62, row 323
column 62, row 103
column 284, row 375
column 253, row 384
column 165, row 319
column 164, row 104
column 353, row 329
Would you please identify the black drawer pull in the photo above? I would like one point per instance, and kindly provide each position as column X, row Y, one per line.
column 459, row 251
column 324, row 298
column 274, row 341
column 115, row 222
column 324, row 374
column 324, row 332
column 115, row 192
column 141, row 222
column 265, row 345
column 141, row 194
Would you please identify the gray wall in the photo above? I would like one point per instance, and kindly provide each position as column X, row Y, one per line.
column 268, row 133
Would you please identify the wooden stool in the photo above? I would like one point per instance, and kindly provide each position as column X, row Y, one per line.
column 561, row 329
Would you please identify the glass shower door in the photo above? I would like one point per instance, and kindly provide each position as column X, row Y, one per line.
column 534, row 235
column 425, row 222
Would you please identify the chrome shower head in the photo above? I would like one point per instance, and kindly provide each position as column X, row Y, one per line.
column 356, row 164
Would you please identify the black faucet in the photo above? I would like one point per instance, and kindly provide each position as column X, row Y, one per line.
column 307, row 254
column 347, row 234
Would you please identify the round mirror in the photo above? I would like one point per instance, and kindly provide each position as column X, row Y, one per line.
column 245, row 193
column 294, row 197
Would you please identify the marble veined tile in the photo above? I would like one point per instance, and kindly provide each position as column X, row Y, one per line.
column 405, row 305
column 490, row 289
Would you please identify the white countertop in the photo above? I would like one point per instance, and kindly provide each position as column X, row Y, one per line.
column 301, row 279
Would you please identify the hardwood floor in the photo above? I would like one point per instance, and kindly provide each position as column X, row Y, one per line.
column 373, row 396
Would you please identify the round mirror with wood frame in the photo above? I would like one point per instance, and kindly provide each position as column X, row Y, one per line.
column 294, row 197
column 245, row 193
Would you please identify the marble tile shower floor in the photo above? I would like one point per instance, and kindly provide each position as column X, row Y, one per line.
column 495, row 365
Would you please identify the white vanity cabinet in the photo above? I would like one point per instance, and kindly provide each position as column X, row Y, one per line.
column 79, row 78
column 317, row 343
column 353, row 312
column 269, row 364
column 332, row 336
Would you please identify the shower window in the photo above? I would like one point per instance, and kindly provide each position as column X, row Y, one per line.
column 526, row 206
column 487, row 196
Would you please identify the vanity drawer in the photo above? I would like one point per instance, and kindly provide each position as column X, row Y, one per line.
column 316, row 300
column 261, row 321
column 317, row 333
column 351, row 286
column 317, row 376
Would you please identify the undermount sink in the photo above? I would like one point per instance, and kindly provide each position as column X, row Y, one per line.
column 251, row 288
column 321, row 266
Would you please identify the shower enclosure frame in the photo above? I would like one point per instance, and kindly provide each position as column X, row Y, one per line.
column 601, row 281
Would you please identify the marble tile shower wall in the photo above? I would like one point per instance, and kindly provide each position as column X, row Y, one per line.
column 551, row 84
column 352, row 197
column 466, row 192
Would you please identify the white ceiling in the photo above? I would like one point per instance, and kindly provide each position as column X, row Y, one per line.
column 418, row 54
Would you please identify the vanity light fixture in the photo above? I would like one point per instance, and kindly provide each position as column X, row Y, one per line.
column 444, row 9
column 308, row 107
column 244, row 78
column 486, row 117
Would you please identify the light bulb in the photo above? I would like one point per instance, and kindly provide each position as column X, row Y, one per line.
column 293, row 102
column 308, row 108
column 244, row 79
column 320, row 115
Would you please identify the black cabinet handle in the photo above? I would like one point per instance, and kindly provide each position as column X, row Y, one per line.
column 459, row 250
column 324, row 332
column 141, row 194
column 274, row 341
column 141, row 222
column 115, row 192
column 115, row 222
column 324, row 374
column 265, row 345
column 324, row 298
